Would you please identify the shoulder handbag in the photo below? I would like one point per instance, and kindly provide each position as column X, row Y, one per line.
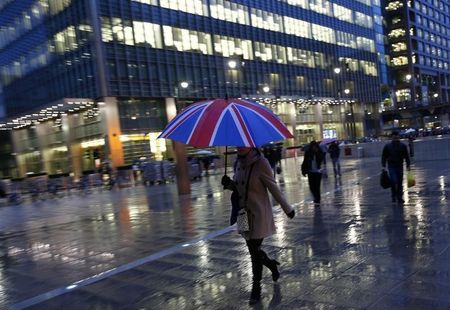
column 242, row 222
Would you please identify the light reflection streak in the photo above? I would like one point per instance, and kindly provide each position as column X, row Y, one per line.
column 204, row 252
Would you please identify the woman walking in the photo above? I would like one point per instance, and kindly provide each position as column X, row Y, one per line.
column 254, row 168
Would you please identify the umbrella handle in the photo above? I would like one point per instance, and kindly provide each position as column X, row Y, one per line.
column 226, row 151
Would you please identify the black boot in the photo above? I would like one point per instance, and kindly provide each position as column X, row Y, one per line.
column 271, row 264
column 255, row 295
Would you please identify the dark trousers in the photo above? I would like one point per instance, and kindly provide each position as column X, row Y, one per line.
column 396, row 176
column 314, row 179
column 259, row 258
column 336, row 166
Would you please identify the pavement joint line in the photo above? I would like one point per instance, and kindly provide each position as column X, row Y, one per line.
column 111, row 272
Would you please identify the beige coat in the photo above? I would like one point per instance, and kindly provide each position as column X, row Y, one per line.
column 259, row 207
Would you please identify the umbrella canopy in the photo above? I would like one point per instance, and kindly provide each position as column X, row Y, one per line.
column 327, row 141
column 203, row 153
column 226, row 122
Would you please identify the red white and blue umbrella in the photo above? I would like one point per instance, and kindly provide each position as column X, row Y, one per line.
column 226, row 122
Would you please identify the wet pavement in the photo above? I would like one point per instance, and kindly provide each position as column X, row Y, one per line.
column 145, row 248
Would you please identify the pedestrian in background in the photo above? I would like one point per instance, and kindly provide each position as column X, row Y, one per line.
column 270, row 152
column 312, row 167
column 394, row 153
column 323, row 147
column 335, row 153
column 411, row 145
column 254, row 168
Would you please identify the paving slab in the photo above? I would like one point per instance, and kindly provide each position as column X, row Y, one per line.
column 148, row 248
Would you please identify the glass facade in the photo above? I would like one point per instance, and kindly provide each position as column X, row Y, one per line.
column 138, row 52
column 418, row 37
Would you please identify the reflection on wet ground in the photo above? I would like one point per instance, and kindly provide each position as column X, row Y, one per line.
column 358, row 250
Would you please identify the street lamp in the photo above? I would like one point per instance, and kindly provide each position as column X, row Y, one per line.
column 337, row 70
column 352, row 115
column 266, row 89
column 232, row 64
column 184, row 84
column 408, row 77
column 181, row 167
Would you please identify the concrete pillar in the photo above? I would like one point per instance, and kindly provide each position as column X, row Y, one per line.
column 292, row 119
column 319, row 118
column 109, row 113
column 74, row 150
column 42, row 131
column 181, row 168
column 18, row 149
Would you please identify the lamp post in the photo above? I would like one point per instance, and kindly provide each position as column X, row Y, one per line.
column 237, row 67
column 181, row 167
column 352, row 126
column 337, row 71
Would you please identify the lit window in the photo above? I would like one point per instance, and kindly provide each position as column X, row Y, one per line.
column 229, row 11
column 345, row 39
column 399, row 61
column 324, row 34
column 403, row 95
column 342, row 13
column 300, row 3
column 320, row 6
column 400, row 46
column 369, row 68
column 152, row 2
column 147, row 34
column 350, row 63
column 266, row 20
column 394, row 5
column 297, row 27
column 365, row 44
column 228, row 46
column 363, row 20
column 397, row 33
column 107, row 35
column 57, row 6
column 270, row 52
column 300, row 57
column 185, row 40
column 65, row 40
column 197, row 7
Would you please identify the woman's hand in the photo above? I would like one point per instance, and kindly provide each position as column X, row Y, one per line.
column 226, row 181
column 291, row 214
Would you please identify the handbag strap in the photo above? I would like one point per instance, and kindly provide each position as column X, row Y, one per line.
column 248, row 182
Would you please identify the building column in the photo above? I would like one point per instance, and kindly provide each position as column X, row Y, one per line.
column 109, row 113
column 181, row 168
column 292, row 119
column 21, row 166
column 319, row 118
column 74, row 150
column 42, row 132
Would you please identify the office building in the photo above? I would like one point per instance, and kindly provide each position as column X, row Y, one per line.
column 87, row 80
column 418, row 34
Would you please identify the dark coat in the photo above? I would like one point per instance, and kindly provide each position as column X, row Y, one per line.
column 334, row 150
column 307, row 160
column 394, row 153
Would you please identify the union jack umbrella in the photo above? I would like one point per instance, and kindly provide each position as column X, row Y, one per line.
column 226, row 122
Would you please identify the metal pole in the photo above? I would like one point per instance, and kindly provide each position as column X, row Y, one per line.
column 353, row 123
